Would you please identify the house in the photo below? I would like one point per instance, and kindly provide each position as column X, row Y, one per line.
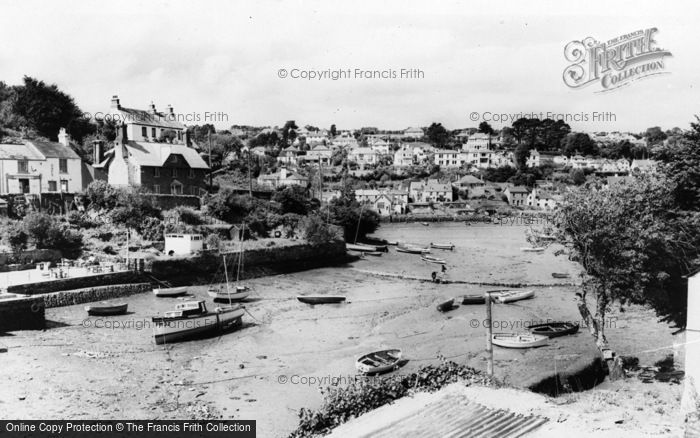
column 479, row 141
column 643, row 166
column 517, row 195
column 472, row 185
column 478, row 151
column 381, row 147
column 366, row 195
column 345, row 139
column 615, row 167
column 363, row 156
column 384, row 202
column 413, row 133
column 282, row 178
column 170, row 168
column 149, row 125
column 259, row 151
column 541, row 199
column 690, row 350
column 183, row 244
column 403, row 157
column 37, row 166
column 533, row 160
column 289, row 155
column 430, row 191
column 449, row 158
column 502, row 159
column 319, row 154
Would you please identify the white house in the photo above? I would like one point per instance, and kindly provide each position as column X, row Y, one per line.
column 449, row 158
column 363, row 156
column 413, row 133
column 643, row 165
column 183, row 244
column 541, row 199
column 691, row 348
column 533, row 160
column 148, row 125
column 319, row 155
column 430, row 191
column 282, row 178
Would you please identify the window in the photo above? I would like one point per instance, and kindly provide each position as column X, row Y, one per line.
column 179, row 135
column 191, row 175
column 23, row 166
column 64, row 185
column 156, row 188
column 144, row 132
column 24, row 186
column 63, row 165
column 156, row 172
column 174, row 172
column 176, row 188
column 153, row 132
column 52, row 186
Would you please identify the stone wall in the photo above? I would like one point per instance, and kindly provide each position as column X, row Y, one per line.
column 92, row 294
column 256, row 263
column 77, row 283
column 29, row 258
column 168, row 202
column 23, row 313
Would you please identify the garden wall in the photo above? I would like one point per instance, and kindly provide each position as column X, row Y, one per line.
column 92, row 294
column 77, row 283
column 22, row 313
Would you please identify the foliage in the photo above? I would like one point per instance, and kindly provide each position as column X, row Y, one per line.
column 47, row 232
column 188, row 215
column 341, row 404
column 16, row 237
column 315, row 230
column 498, row 174
column 81, row 220
column 132, row 210
column 293, row 199
column 152, row 229
column 213, row 242
column 101, row 195
column 355, row 220
column 534, row 133
column 578, row 176
column 437, row 134
column 579, row 143
column 681, row 165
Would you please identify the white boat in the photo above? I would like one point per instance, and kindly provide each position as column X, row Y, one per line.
column 379, row 361
column 170, row 291
column 192, row 320
column 518, row 340
column 412, row 249
column 239, row 293
column 509, row 296
column 360, row 247
column 431, row 259
column 532, row 248
column 449, row 246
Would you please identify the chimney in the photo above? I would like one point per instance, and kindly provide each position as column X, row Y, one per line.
column 63, row 137
column 171, row 111
column 153, row 108
column 115, row 102
column 98, row 151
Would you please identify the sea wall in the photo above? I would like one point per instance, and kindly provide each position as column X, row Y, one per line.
column 22, row 313
column 72, row 283
column 256, row 263
column 92, row 294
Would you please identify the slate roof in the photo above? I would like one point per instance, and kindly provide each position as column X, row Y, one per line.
column 156, row 154
column 18, row 152
column 143, row 117
column 54, row 150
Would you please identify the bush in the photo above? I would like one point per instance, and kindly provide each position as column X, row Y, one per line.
column 81, row 220
column 189, row 216
column 101, row 195
column 213, row 242
column 47, row 232
column 315, row 230
column 152, row 229
column 15, row 237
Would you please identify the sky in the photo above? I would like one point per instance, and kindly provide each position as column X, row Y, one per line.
column 220, row 62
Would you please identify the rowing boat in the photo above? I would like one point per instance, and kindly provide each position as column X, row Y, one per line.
column 509, row 296
column 170, row 291
column 372, row 253
column 559, row 275
column 321, row 299
column 431, row 259
column 379, row 361
column 221, row 294
column 425, row 224
column 359, row 247
column 412, row 249
column 449, row 246
column 554, row 329
column 518, row 340
column 532, row 249
column 446, row 306
column 106, row 309
column 474, row 299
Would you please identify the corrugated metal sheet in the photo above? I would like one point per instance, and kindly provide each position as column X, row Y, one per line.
column 455, row 417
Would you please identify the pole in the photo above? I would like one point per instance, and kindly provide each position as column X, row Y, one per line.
column 250, row 181
column 211, row 175
column 127, row 249
column 489, row 335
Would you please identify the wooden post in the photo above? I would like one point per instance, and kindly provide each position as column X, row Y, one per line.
column 489, row 334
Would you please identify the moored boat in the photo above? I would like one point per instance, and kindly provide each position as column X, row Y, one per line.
column 238, row 293
column 321, row 299
column 532, row 248
column 446, row 306
column 518, row 340
column 106, row 309
column 509, row 296
column 170, row 291
column 425, row 224
column 546, row 237
column 379, row 361
column 449, row 246
column 431, row 259
column 474, row 299
column 412, row 249
column 192, row 320
column 359, row 247
column 559, row 275
column 554, row 329
column 372, row 253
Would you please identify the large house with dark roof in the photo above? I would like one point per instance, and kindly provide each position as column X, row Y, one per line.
column 38, row 166
column 148, row 125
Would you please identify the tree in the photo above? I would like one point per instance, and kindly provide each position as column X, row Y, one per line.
column 581, row 143
column 16, row 238
column 356, row 220
column 315, row 230
column 655, row 135
column 288, row 134
column 437, row 134
column 681, row 165
column 485, row 128
column 293, row 199
column 578, row 176
column 333, row 131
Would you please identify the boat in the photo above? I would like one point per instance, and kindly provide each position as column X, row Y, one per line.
column 379, row 361
column 559, row 275
column 468, row 223
column 412, row 249
column 372, row 253
column 532, row 248
column 546, row 237
column 446, row 306
column 380, row 248
column 425, row 224
column 518, row 340
column 359, row 247
column 170, row 291
column 106, row 309
column 449, row 246
column 509, row 296
column 239, row 293
column 554, row 329
column 191, row 319
column 474, row 299
column 392, row 242
column 431, row 259
column 321, row 299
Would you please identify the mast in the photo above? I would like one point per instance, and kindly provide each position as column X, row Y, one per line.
column 228, row 292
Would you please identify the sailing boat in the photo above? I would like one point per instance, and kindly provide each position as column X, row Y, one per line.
column 239, row 293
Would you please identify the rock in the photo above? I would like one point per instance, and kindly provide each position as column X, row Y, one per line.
column 22, row 397
column 241, row 366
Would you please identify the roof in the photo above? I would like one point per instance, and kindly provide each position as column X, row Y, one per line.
column 412, row 129
column 18, row 152
column 53, row 150
column 470, row 179
column 143, row 117
column 363, row 151
column 518, row 189
column 367, row 192
column 156, row 154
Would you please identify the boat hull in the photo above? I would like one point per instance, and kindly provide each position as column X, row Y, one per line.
column 170, row 291
column 435, row 260
column 447, row 246
column 181, row 329
column 473, row 299
column 104, row 310
column 536, row 249
column 359, row 247
column 504, row 297
column 321, row 299
column 554, row 329
column 412, row 250
column 446, row 306
column 515, row 340
column 225, row 296
column 379, row 362
column 558, row 275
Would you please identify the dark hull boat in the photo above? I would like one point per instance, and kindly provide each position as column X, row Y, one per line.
column 554, row 329
column 446, row 306
column 474, row 299
column 559, row 275
column 192, row 320
column 106, row 309
column 321, row 299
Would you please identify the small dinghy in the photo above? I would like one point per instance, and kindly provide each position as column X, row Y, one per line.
column 412, row 249
column 106, row 309
column 546, row 237
column 446, row 306
column 509, row 296
column 321, row 299
column 518, row 340
column 474, row 299
column 448, row 246
column 170, row 291
column 559, row 275
column 532, row 249
column 238, row 293
column 431, row 259
column 371, row 253
column 359, row 247
column 425, row 224
column 554, row 329
column 379, row 362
